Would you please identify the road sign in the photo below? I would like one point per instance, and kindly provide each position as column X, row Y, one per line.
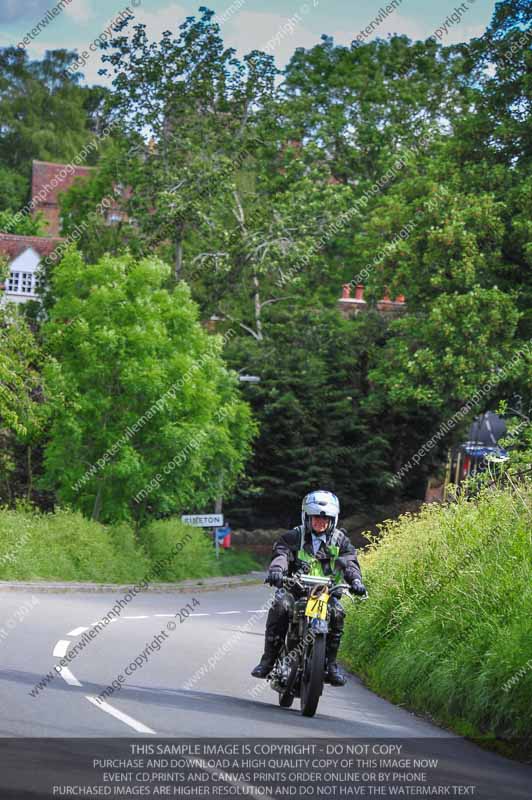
column 203, row 520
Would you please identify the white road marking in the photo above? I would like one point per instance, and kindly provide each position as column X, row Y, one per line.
column 114, row 712
column 77, row 631
column 61, row 648
column 227, row 612
column 256, row 611
column 69, row 677
column 200, row 615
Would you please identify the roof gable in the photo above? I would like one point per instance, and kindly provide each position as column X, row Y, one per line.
column 12, row 246
column 28, row 260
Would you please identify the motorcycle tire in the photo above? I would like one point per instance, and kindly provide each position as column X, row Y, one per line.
column 312, row 678
column 286, row 698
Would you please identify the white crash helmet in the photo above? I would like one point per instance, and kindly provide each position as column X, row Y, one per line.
column 320, row 504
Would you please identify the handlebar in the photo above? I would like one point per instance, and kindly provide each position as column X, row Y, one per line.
column 306, row 581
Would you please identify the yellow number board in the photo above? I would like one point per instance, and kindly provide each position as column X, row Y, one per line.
column 317, row 606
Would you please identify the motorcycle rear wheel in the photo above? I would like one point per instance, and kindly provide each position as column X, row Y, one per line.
column 312, row 678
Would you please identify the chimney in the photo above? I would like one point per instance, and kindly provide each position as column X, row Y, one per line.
column 346, row 291
column 359, row 292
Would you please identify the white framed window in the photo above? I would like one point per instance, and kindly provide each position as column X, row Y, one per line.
column 13, row 281
column 26, row 282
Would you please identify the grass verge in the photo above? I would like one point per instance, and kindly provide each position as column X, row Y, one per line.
column 65, row 546
column 447, row 629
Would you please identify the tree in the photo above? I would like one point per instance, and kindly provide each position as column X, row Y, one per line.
column 148, row 420
column 193, row 99
column 313, row 429
column 19, row 377
column 42, row 109
column 22, row 411
column 13, row 189
column 27, row 226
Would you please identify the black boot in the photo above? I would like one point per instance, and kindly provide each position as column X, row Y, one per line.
column 272, row 648
column 333, row 673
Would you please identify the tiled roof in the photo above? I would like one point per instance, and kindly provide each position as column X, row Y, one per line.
column 12, row 246
column 53, row 179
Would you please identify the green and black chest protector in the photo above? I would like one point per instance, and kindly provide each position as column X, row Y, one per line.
column 316, row 565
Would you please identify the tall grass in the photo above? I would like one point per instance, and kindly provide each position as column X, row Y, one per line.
column 65, row 546
column 196, row 559
column 447, row 629
column 68, row 547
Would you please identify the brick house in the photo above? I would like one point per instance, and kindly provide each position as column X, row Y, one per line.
column 48, row 180
column 24, row 255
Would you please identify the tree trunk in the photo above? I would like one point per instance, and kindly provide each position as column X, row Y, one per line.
column 178, row 256
column 258, row 307
column 97, row 508
column 30, row 473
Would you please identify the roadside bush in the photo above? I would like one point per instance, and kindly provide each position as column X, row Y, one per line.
column 447, row 629
column 65, row 546
column 196, row 559
column 68, row 547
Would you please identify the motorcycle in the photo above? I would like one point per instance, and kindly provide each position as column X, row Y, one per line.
column 300, row 667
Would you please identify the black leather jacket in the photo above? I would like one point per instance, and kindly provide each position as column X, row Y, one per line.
column 284, row 553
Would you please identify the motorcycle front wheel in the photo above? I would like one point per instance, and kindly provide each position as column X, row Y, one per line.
column 286, row 698
column 312, row 678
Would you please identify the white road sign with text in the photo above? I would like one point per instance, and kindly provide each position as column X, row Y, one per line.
column 203, row 520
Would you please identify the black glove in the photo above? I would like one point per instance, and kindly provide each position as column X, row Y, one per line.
column 275, row 577
column 357, row 587
column 302, row 566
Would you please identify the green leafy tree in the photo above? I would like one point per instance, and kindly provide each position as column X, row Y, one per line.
column 22, row 411
column 313, row 428
column 27, row 226
column 149, row 421
column 42, row 109
column 13, row 189
column 192, row 98
column 19, row 377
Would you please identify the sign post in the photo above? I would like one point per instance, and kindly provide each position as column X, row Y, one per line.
column 206, row 521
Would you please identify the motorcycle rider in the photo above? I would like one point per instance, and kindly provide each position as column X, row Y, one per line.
column 319, row 547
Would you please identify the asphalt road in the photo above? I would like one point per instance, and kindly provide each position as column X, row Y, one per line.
column 197, row 684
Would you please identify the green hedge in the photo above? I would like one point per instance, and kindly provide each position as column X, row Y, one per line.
column 196, row 557
column 65, row 546
column 447, row 629
column 68, row 547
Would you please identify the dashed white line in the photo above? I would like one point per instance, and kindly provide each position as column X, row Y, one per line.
column 61, row 648
column 227, row 612
column 69, row 677
column 256, row 610
column 77, row 631
column 114, row 712
column 200, row 615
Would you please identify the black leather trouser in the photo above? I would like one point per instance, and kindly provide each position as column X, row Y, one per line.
column 279, row 617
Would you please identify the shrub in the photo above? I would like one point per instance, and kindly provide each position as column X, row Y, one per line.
column 196, row 559
column 447, row 628
column 66, row 546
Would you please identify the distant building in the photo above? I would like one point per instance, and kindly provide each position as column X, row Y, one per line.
column 24, row 254
column 48, row 180
column 350, row 306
